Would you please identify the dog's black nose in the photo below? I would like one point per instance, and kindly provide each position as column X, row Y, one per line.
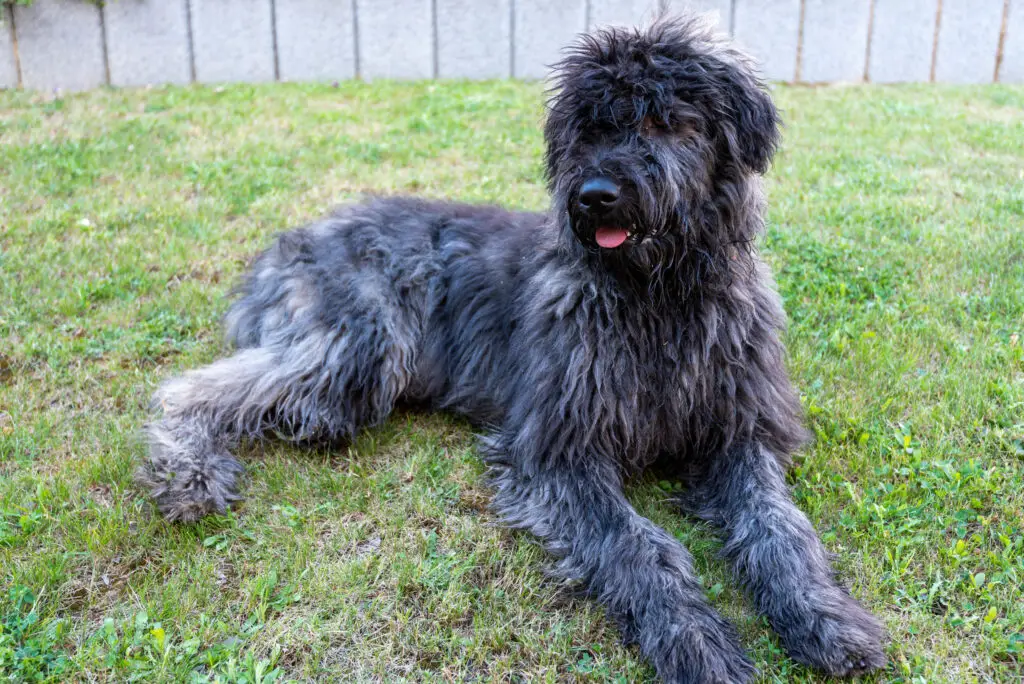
column 598, row 195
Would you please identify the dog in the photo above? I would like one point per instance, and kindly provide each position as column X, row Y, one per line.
column 632, row 325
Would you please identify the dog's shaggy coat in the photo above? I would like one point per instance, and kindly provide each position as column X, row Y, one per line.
column 632, row 323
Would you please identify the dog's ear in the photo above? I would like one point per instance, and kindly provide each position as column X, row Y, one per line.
column 751, row 122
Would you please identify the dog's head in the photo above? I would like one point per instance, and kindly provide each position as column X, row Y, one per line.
column 646, row 128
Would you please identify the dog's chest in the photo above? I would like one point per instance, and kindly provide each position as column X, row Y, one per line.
column 663, row 376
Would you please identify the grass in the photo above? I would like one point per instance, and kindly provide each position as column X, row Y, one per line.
column 897, row 236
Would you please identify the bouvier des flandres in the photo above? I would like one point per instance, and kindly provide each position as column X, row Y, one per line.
column 633, row 323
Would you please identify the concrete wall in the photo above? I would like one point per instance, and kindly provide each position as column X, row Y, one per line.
column 902, row 40
column 76, row 44
column 59, row 45
column 148, row 42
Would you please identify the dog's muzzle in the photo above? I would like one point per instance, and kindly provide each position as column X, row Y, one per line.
column 598, row 202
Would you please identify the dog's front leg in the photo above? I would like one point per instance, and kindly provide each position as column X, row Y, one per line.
column 642, row 574
column 776, row 553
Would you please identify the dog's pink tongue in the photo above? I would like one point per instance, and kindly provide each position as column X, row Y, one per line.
column 610, row 237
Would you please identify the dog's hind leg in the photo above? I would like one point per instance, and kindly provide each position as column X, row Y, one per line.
column 776, row 553
column 320, row 385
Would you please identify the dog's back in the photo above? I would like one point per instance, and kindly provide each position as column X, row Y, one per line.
column 428, row 284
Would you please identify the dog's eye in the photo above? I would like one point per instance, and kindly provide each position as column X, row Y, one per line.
column 682, row 129
column 651, row 126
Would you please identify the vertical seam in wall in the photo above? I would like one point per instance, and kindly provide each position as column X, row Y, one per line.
column 9, row 10
column 1002, row 41
column 355, row 40
column 103, row 44
column 586, row 16
column 273, row 39
column 191, row 42
column 935, row 40
column 867, row 49
column 434, row 38
column 512, row 39
column 797, row 73
column 732, row 18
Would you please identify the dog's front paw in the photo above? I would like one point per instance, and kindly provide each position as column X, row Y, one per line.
column 702, row 648
column 838, row 636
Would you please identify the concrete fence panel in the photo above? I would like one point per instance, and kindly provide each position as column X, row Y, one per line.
column 542, row 29
column 1011, row 69
column 474, row 38
column 720, row 10
column 968, row 40
column 232, row 40
column 396, row 38
column 835, row 40
column 147, row 42
column 770, row 31
column 622, row 12
column 902, row 36
column 60, row 43
column 316, row 39
column 8, row 63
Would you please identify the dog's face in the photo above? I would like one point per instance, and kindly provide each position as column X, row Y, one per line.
column 644, row 126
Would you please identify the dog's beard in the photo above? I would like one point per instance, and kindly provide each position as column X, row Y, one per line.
column 617, row 233
column 645, row 248
column 606, row 235
column 619, row 230
column 648, row 214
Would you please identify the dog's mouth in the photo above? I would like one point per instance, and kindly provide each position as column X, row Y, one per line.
column 610, row 237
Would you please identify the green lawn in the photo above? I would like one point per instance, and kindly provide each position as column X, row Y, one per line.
column 897, row 236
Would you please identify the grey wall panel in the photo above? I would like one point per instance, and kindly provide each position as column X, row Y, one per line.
column 233, row 40
column 396, row 38
column 902, row 39
column 770, row 31
column 315, row 40
column 622, row 12
column 720, row 9
column 835, row 40
column 61, row 44
column 968, row 41
column 542, row 29
column 147, row 42
column 474, row 38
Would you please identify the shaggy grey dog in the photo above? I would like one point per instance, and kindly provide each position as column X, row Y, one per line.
column 632, row 324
